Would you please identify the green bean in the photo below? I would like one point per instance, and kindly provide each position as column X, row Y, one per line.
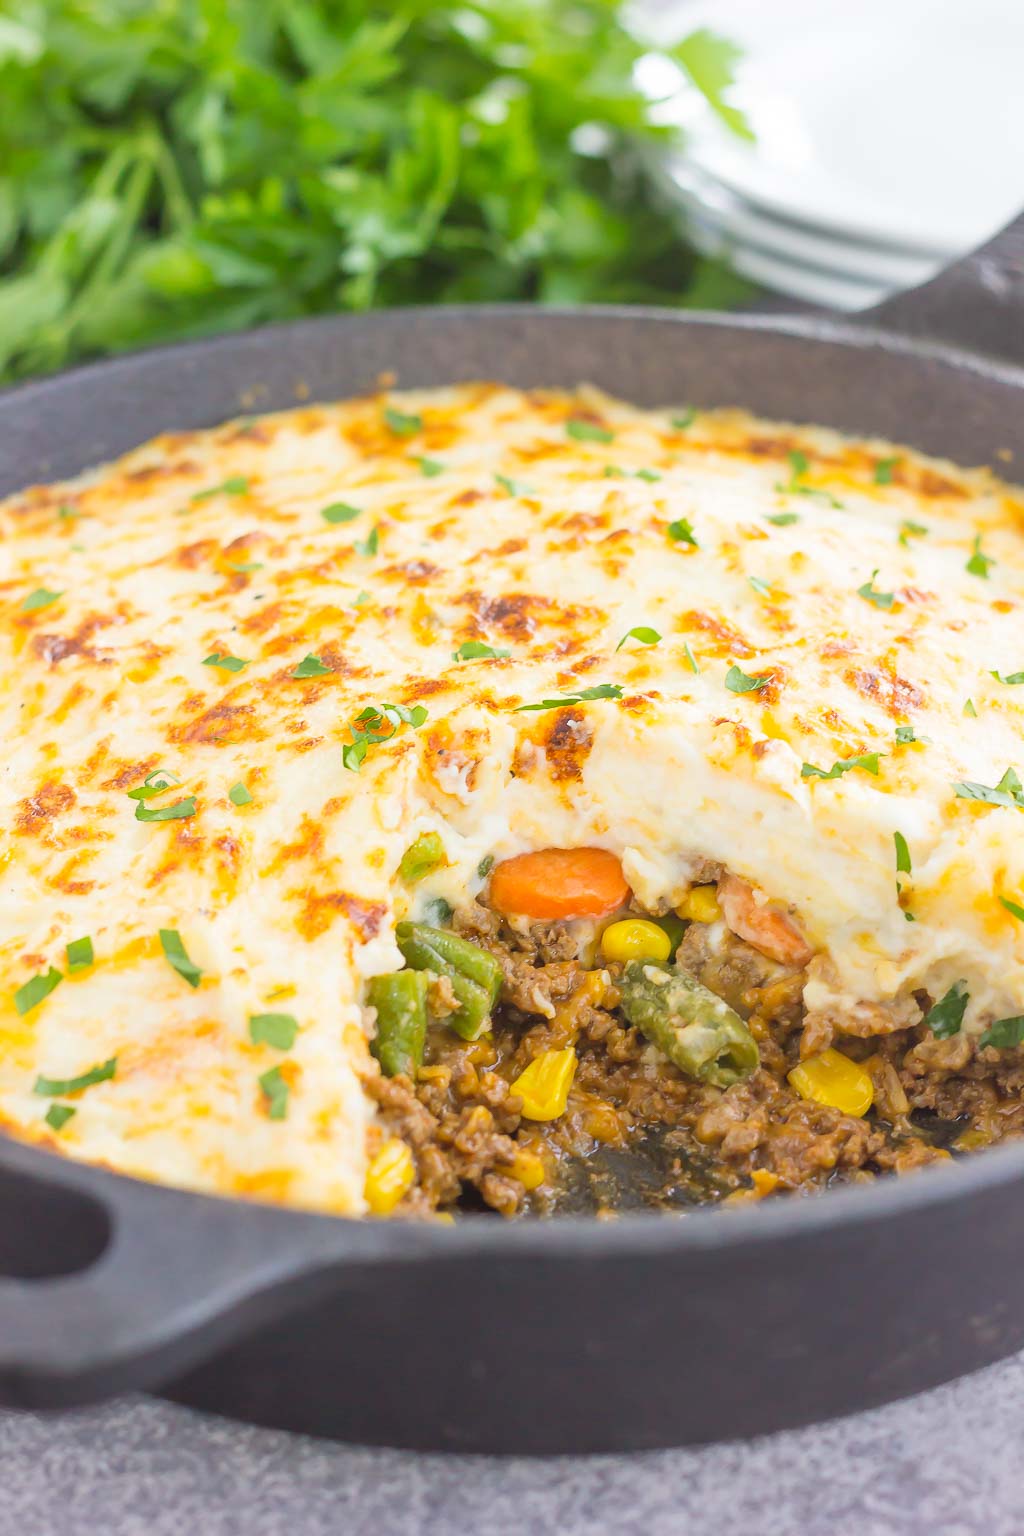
column 697, row 1031
column 475, row 976
column 421, row 856
column 400, row 999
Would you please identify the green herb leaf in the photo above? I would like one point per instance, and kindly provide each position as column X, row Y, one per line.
column 738, row 681
column 884, row 469
column 80, row 955
column 401, row 424
column 903, row 866
column 66, row 511
column 691, row 659
column 239, row 795
column 179, row 811
column 794, row 486
column 1013, row 908
column 870, row 595
column 58, row 1115
column 946, row 1016
column 475, row 650
column 760, row 587
column 651, row 476
column 277, row 1029
column 310, row 666
column 681, row 532
column 275, row 1090
column 369, row 545
column 685, row 419
column 430, row 467
column 64, row 1087
column 868, row 761
column 641, row 632
column 1004, row 1034
column 224, row 662
column 485, row 866
column 31, row 994
column 421, row 857
column 588, row 431
column 905, row 734
column 1013, row 679
column 784, row 519
column 235, row 485
column 154, row 784
column 514, row 487
column 969, row 709
column 978, row 564
column 1007, row 792
column 377, row 723
column 340, row 512
column 911, row 530
column 42, row 597
column 599, row 691
column 177, row 956
column 353, row 754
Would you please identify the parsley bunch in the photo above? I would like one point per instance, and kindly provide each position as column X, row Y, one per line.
column 172, row 168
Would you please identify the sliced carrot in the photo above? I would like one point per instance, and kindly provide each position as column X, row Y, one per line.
column 558, row 883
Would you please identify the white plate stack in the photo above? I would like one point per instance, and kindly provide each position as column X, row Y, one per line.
column 889, row 138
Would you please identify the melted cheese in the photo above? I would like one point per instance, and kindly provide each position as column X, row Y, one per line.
column 288, row 902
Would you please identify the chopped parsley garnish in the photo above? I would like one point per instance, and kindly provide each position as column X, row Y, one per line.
column 154, row 784
column 276, row 1029
column 58, row 1115
column 870, row 595
column 514, row 487
column 884, row 469
column 485, row 866
column 235, row 485
column 430, row 467
column 424, row 854
column 1004, row 1033
column 224, row 662
column 66, row 511
column 738, row 681
column 32, row 993
column 945, row 1017
column 63, row 1087
column 275, row 1090
column 360, row 598
column 310, row 666
column 238, row 794
column 179, row 811
column 903, row 865
column 42, row 597
column 80, row 955
column 177, row 956
column 476, row 650
column 978, row 564
column 760, row 587
column 794, row 486
column 681, row 532
column 401, row 424
column 686, row 419
column 1012, row 678
column 340, row 512
column 243, row 567
column 1013, row 908
column 588, row 431
column 1008, row 792
column 437, row 912
column 614, row 472
column 641, row 632
column 691, row 659
column 599, row 691
column 905, row 734
column 369, row 545
column 868, row 761
column 376, row 724
column 910, row 530
column 969, row 709
column 784, row 519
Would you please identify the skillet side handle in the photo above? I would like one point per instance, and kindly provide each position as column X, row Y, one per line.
column 977, row 303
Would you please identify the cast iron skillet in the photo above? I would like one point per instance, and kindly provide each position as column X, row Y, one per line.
column 573, row 1335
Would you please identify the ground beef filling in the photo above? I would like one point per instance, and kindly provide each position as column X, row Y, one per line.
column 638, row 1133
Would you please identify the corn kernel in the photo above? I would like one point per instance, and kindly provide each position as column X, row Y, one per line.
column 390, row 1176
column 603, row 1124
column 700, row 905
column 528, row 1168
column 764, row 1181
column 544, row 1085
column 832, row 1078
column 635, row 939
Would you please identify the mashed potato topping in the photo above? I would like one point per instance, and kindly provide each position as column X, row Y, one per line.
column 245, row 669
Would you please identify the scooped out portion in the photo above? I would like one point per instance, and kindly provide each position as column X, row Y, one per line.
column 639, row 1060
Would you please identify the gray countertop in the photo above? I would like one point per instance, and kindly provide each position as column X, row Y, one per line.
column 949, row 1463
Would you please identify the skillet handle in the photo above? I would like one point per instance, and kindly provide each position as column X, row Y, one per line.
column 977, row 303
column 177, row 1276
